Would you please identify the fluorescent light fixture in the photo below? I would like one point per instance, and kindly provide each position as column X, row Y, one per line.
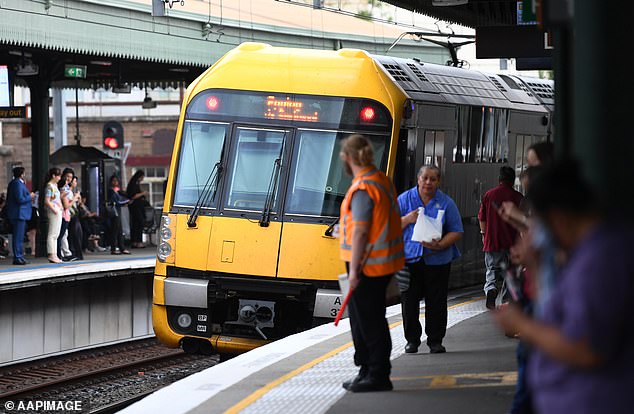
column 448, row 2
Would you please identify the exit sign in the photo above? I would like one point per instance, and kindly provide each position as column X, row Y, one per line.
column 75, row 71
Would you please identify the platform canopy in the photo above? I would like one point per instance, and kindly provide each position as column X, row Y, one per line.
column 473, row 13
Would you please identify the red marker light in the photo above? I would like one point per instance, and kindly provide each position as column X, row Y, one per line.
column 111, row 142
column 367, row 114
column 212, row 103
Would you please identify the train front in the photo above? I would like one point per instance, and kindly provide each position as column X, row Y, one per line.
column 246, row 254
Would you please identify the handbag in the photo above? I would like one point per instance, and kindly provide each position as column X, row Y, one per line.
column 111, row 210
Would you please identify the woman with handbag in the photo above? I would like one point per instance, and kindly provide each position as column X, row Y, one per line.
column 54, row 209
column 137, row 208
column 113, row 208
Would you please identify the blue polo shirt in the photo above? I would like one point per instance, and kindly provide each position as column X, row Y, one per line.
column 452, row 222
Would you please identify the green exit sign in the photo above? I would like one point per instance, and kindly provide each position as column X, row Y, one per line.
column 75, row 71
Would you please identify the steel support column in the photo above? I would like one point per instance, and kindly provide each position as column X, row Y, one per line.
column 602, row 102
column 40, row 144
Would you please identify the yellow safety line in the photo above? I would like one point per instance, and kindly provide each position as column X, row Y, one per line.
column 268, row 387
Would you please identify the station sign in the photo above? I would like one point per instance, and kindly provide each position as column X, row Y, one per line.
column 13, row 112
column 75, row 71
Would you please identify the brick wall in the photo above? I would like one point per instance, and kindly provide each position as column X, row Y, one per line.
column 137, row 131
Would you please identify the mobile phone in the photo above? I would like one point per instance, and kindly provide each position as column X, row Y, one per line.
column 511, row 283
column 495, row 204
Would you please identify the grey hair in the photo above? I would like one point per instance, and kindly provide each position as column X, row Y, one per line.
column 430, row 167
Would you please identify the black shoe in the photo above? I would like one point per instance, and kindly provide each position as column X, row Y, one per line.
column 491, row 296
column 362, row 374
column 411, row 348
column 69, row 259
column 437, row 349
column 369, row 384
column 20, row 262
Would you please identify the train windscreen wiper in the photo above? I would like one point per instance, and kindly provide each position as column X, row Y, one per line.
column 272, row 190
column 331, row 228
column 208, row 194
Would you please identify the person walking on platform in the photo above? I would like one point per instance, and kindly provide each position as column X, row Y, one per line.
column 429, row 264
column 54, row 209
column 371, row 245
column 582, row 341
column 18, row 213
column 137, row 208
column 497, row 235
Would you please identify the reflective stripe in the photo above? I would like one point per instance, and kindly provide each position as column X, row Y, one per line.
column 387, row 244
column 385, row 259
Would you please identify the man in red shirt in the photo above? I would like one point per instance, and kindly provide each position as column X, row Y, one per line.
column 497, row 235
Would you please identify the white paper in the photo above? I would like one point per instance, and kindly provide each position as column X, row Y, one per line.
column 427, row 228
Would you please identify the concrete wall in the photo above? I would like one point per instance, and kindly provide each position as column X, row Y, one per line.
column 53, row 318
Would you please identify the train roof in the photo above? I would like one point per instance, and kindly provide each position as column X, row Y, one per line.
column 447, row 84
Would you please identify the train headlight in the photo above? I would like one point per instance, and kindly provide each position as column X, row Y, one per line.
column 166, row 233
column 184, row 320
column 166, row 240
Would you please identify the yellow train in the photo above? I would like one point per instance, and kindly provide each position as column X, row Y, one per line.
column 246, row 251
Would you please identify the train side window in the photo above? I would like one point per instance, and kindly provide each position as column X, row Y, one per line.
column 482, row 135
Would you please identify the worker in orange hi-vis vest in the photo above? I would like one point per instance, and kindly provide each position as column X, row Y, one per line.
column 371, row 244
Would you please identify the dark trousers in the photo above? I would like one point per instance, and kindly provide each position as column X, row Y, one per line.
column 62, row 231
column 137, row 220
column 370, row 332
column 75, row 237
column 18, row 231
column 116, row 234
column 429, row 282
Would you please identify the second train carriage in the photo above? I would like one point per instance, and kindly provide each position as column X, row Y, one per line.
column 246, row 252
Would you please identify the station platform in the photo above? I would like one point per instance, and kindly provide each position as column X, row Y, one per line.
column 304, row 372
column 39, row 270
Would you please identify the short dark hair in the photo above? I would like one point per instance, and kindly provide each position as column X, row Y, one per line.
column 18, row 171
column 545, row 151
column 507, row 174
column 561, row 186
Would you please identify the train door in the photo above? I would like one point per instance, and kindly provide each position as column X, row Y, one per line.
column 246, row 233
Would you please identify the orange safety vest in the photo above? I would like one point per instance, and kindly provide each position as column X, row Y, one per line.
column 385, row 236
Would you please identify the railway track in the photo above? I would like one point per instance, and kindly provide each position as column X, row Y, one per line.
column 104, row 380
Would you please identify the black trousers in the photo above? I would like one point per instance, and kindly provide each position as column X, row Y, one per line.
column 370, row 331
column 116, row 234
column 75, row 237
column 429, row 282
column 60, row 237
column 137, row 220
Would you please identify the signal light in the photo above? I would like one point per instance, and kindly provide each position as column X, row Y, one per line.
column 212, row 103
column 110, row 142
column 112, row 135
column 367, row 114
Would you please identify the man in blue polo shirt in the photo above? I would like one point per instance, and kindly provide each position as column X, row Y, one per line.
column 429, row 264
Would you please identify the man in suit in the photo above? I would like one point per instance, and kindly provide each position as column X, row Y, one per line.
column 18, row 212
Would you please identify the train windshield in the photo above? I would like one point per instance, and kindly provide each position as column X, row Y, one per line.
column 318, row 182
column 201, row 148
column 253, row 174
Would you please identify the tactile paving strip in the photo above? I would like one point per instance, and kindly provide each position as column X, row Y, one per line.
column 318, row 388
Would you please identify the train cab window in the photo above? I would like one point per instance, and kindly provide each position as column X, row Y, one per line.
column 253, row 168
column 318, row 182
column 434, row 148
column 201, row 149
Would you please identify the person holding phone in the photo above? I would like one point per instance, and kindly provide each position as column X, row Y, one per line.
column 497, row 235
